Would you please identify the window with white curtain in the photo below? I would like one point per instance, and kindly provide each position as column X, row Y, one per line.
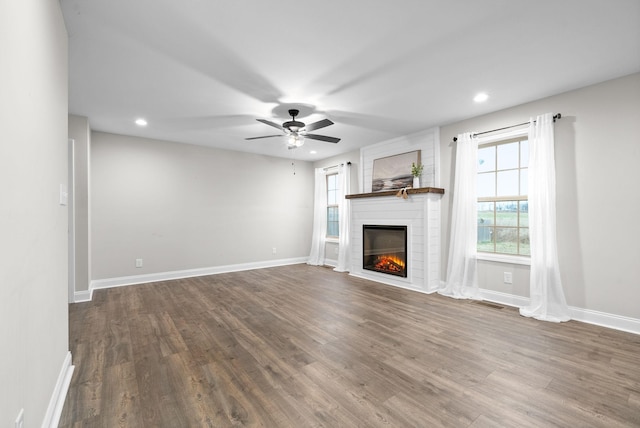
column 333, row 214
column 503, row 206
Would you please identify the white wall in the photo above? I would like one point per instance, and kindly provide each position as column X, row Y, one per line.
column 426, row 142
column 180, row 207
column 597, row 165
column 33, row 226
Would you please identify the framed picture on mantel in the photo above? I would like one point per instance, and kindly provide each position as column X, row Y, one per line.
column 393, row 172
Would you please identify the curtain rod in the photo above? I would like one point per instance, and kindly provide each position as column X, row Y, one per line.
column 555, row 117
column 335, row 166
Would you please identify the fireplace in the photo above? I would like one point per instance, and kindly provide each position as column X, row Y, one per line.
column 384, row 249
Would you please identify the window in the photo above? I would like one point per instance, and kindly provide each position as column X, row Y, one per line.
column 503, row 207
column 333, row 217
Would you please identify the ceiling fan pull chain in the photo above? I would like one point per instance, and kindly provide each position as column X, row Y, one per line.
column 293, row 161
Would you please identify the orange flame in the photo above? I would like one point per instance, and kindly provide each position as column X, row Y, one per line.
column 389, row 263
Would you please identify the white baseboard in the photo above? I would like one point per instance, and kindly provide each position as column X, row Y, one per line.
column 188, row 273
column 82, row 296
column 603, row 319
column 617, row 322
column 56, row 403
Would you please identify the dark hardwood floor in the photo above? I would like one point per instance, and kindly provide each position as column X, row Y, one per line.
column 302, row 346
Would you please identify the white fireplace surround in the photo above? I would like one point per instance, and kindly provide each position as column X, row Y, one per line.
column 421, row 214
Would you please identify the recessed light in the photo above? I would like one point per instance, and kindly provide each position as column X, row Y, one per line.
column 313, row 152
column 141, row 122
column 481, row 97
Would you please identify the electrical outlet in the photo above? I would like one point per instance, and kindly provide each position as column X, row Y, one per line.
column 20, row 419
column 508, row 278
column 138, row 263
column 273, row 251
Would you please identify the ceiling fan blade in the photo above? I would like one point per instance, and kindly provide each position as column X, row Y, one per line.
column 322, row 138
column 268, row 122
column 264, row 136
column 319, row 124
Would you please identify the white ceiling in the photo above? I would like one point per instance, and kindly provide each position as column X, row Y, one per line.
column 202, row 71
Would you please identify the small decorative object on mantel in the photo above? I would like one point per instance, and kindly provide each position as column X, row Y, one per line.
column 402, row 193
column 416, row 171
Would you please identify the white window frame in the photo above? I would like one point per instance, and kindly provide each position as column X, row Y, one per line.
column 332, row 238
column 492, row 139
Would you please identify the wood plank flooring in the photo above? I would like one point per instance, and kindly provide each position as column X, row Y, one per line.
column 302, row 346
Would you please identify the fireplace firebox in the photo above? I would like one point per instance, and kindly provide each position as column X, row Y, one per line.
column 384, row 249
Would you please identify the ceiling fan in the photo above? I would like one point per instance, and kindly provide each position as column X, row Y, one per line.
column 297, row 131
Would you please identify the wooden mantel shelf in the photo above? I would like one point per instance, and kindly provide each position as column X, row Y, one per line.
column 394, row 192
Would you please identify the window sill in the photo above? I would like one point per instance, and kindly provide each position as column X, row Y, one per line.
column 505, row 258
column 331, row 240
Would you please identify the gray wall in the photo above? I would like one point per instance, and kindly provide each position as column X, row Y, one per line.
column 180, row 206
column 33, row 226
column 597, row 166
column 80, row 132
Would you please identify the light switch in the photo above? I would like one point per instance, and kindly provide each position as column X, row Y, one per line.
column 64, row 195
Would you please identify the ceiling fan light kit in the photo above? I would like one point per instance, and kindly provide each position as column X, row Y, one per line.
column 297, row 131
column 295, row 141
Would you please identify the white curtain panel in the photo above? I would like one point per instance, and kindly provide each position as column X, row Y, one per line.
column 547, row 297
column 316, row 255
column 462, row 276
column 344, row 208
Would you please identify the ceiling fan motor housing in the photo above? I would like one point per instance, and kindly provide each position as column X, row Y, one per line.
column 293, row 125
